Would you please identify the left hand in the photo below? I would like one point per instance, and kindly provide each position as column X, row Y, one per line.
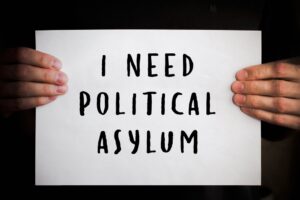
column 270, row 92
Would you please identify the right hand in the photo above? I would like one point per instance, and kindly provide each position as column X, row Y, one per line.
column 29, row 78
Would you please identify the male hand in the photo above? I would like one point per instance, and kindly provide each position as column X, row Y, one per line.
column 29, row 78
column 270, row 92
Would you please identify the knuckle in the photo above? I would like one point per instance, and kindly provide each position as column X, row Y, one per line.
column 47, row 89
column 21, row 71
column 19, row 53
column 280, row 105
column 250, row 86
column 253, row 87
column 258, row 73
column 40, row 101
column 44, row 60
column 280, row 68
column 251, row 111
column 277, row 119
column 253, row 102
column 47, row 76
column 254, row 113
column 278, row 87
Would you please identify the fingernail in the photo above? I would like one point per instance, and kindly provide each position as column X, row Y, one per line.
column 61, row 78
column 238, row 87
column 52, row 98
column 61, row 89
column 245, row 110
column 242, row 75
column 57, row 64
column 239, row 99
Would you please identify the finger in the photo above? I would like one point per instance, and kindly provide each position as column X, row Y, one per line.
column 30, row 89
column 272, row 104
column 12, row 105
column 276, row 88
column 29, row 56
column 290, row 121
column 22, row 72
column 279, row 70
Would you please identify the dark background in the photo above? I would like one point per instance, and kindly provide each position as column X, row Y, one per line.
column 278, row 20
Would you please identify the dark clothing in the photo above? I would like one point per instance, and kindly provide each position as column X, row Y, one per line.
column 279, row 22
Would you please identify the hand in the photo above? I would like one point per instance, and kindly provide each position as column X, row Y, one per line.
column 270, row 92
column 29, row 78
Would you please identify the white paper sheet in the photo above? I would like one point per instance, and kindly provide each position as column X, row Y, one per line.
column 228, row 149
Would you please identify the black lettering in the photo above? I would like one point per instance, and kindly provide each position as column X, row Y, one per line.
column 103, row 65
column 194, row 135
column 174, row 103
column 102, row 112
column 208, row 112
column 149, row 143
column 193, row 105
column 102, row 139
column 134, row 104
column 82, row 102
column 118, row 149
column 167, row 65
column 118, row 112
column 149, row 101
column 163, row 104
column 150, row 65
column 135, row 67
column 186, row 71
column 170, row 142
column 135, row 141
